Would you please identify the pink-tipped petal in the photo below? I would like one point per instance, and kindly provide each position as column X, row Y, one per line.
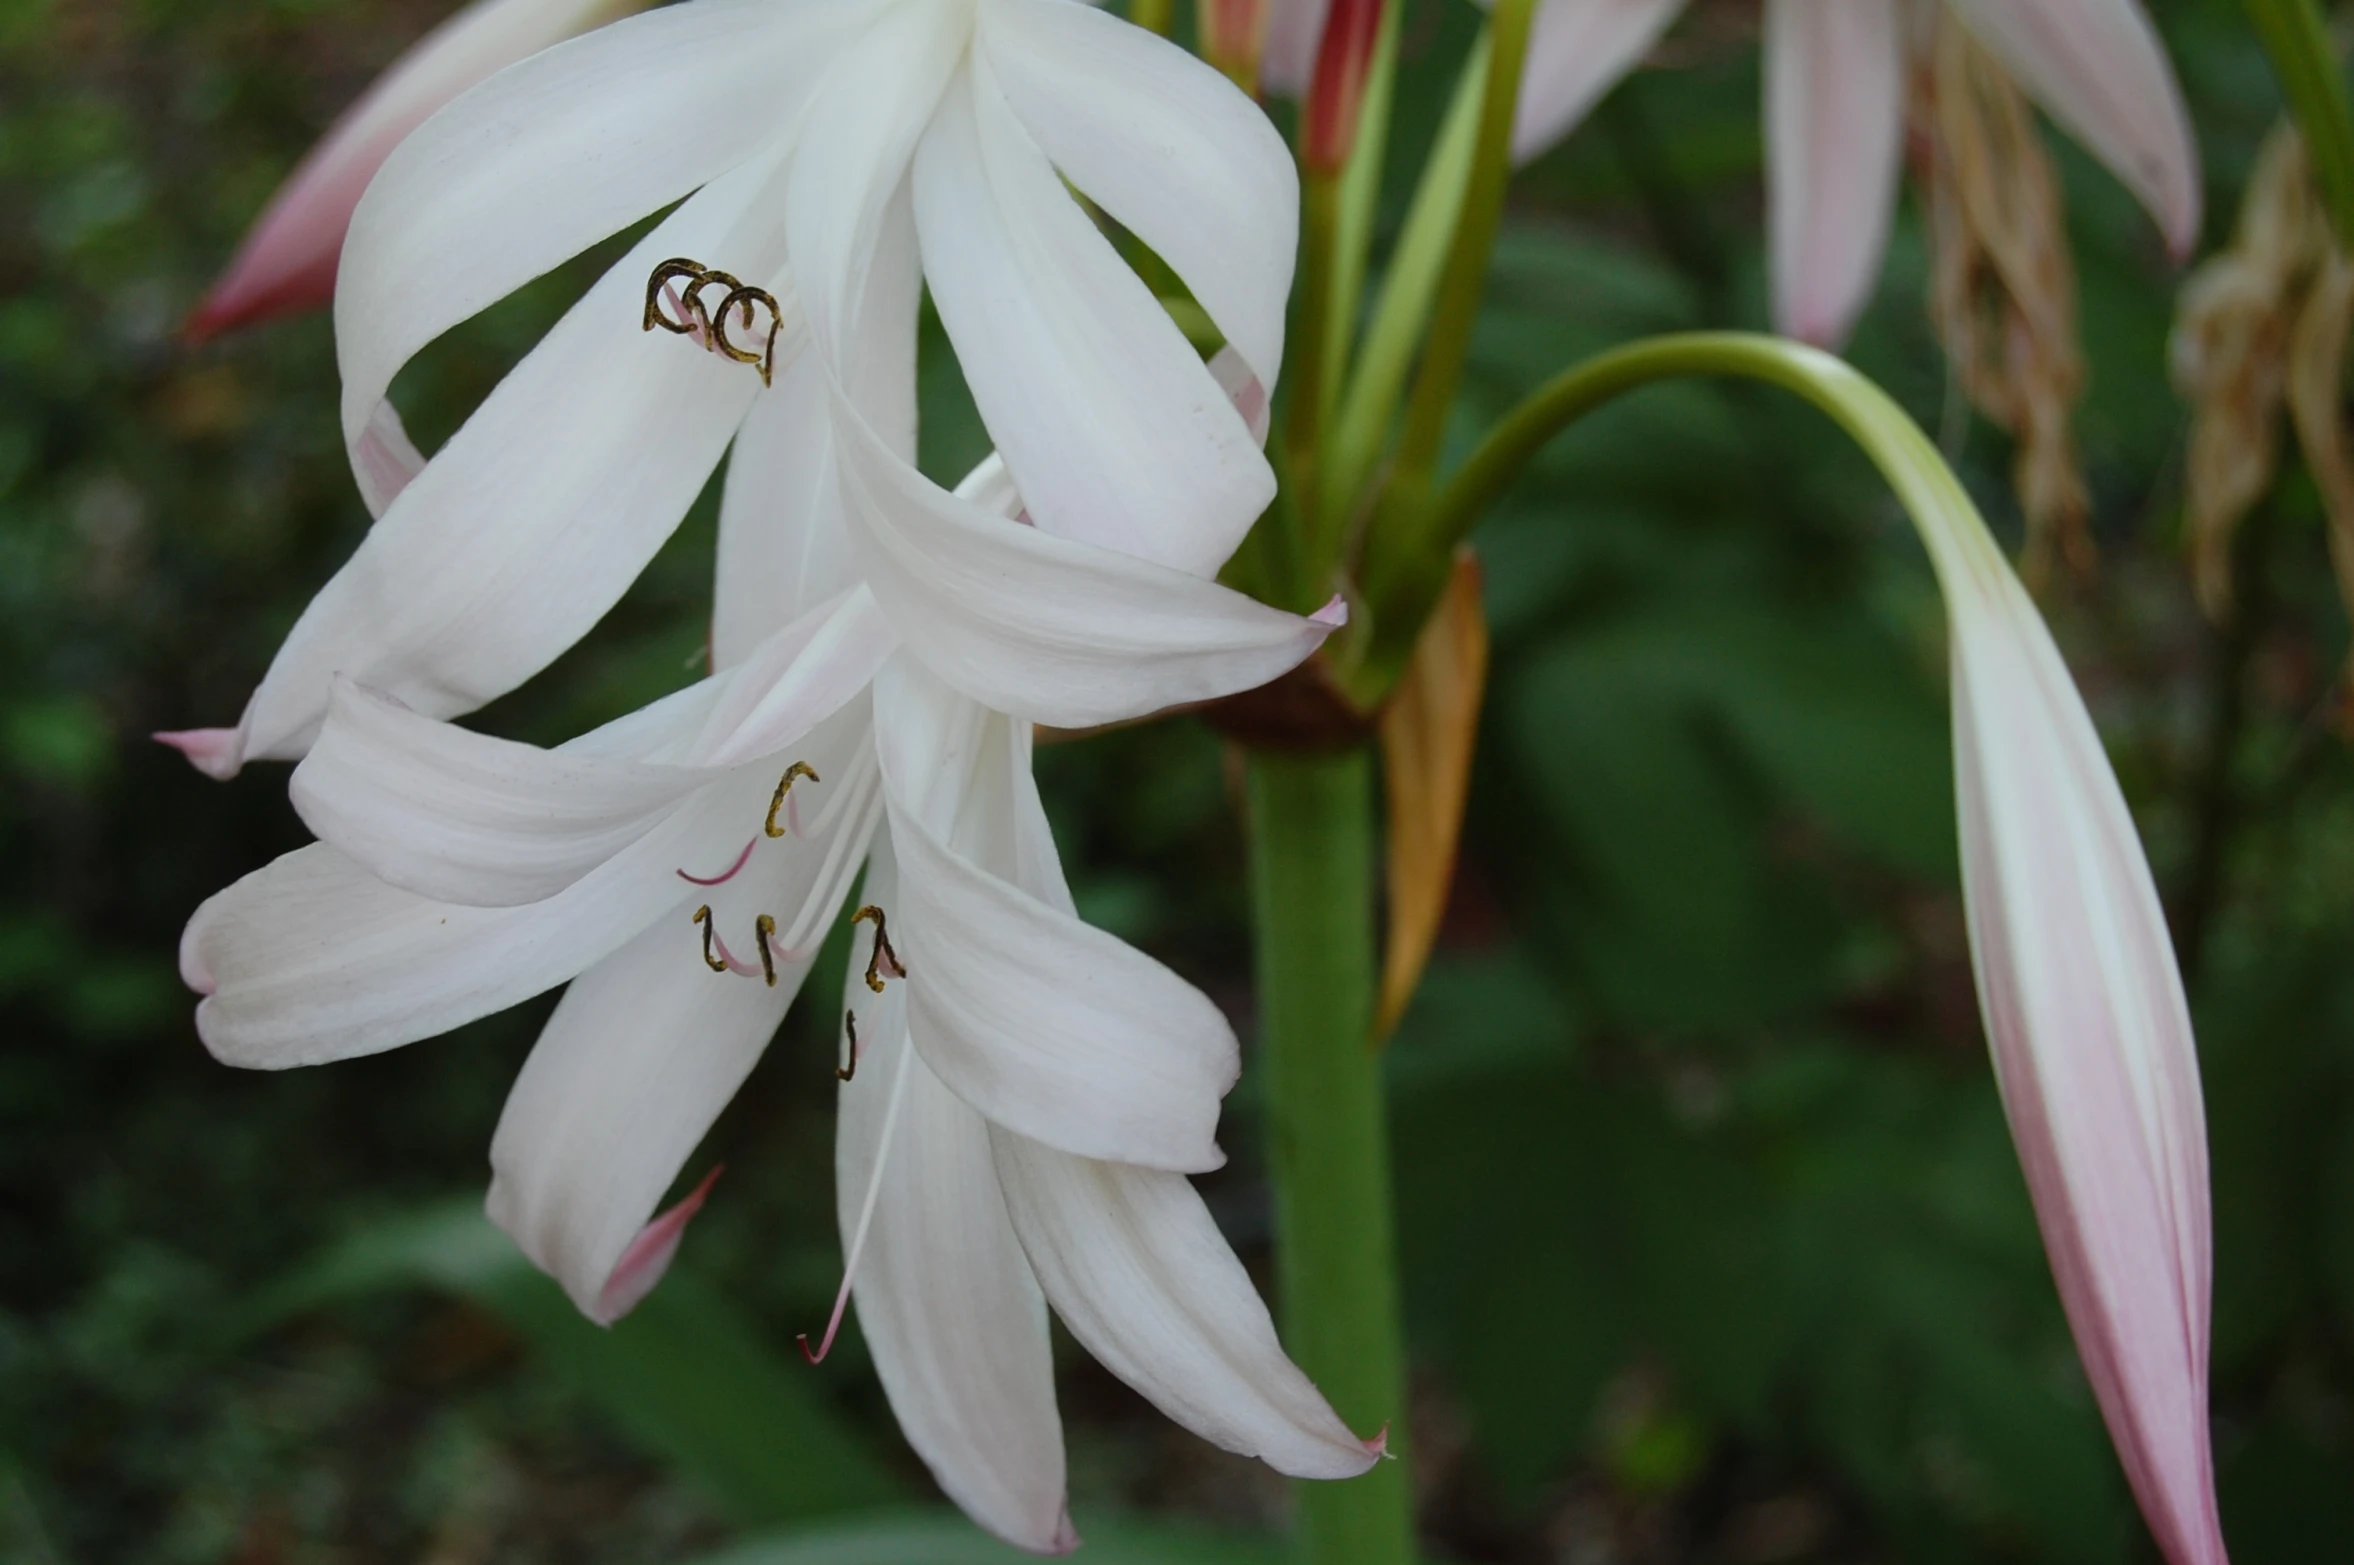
column 219, row 753
column 649, row 1255
column 1333, row 615
column 2092, row 1046
column 2098, row 67
column 1834, row 108
column 1577, row 51
column 288, row 260
column 1295, row 31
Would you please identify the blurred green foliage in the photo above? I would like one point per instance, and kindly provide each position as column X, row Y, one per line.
column 1716, row 1247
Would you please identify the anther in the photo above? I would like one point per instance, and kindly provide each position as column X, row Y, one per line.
column 845, row 1072
column 707, row 326
column 785, row 786
column 884, row 962
column 703, row 917
column 765, row 928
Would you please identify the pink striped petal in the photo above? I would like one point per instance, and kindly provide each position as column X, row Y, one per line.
column 2097, row 67
column 288, row 260
column 649, row 1255
column 2092, row 1041
column 1834, row 101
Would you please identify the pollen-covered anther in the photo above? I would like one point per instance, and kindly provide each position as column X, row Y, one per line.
column 883, row 962
column 765, row 928
column 739, row 311
column 720, row 959
column 783, row 800
column 854, row 1048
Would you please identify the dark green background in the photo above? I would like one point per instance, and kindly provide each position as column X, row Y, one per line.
column 1717, row 1249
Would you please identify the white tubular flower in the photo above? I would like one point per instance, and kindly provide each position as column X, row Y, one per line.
column 1835, row 88
column 831, row 154
column 1034, row 1091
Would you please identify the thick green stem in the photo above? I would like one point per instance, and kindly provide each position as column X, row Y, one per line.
column 1312, row 874
column 2298, row 40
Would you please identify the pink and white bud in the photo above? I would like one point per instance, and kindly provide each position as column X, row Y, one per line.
column 287, row 262
column 2091, row 1038
column 1336, row 93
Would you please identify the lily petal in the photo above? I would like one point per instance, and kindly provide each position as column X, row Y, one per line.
column 783, row 547
column 1041, row 627
column 535, row 518
column 950, row 1311
column 1167, row 145
column 1101, row 409
column 313, row 959
column 1577, row 51
column 2097, row 67
column 1134, row 1266
column 287, row 262
column 2092, row 1047
column 536, row 165
column 464, row 817
column 1295, row 31
column 855, row 148
column 642, row 1053
column 1038, row 1020
column 1834, row 106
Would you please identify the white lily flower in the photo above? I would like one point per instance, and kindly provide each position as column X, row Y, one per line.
column 1025, row 1093
column 1836, row 73
column 830, row 154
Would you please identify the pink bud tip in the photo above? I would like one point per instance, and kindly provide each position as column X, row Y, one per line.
column 1336, row 93
column 1333, row 615
column 649, row 1255
column 1379, row 1445
column 219, row 753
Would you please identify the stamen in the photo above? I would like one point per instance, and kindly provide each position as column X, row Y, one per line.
column 784, row 789
column 846, row 1072
column 708, row 327
column 691, row 321
column 710, row 930
column 725, row 961
column 726, row 875
column 765, row 927
column 866, row 1215
column 884, row 962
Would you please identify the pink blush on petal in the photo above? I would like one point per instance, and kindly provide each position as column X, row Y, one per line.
column 219, row 753
column 649, row 1255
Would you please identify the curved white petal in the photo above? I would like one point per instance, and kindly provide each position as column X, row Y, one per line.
column 313, row 959
column 1577, row 51
column 559, row 151
column 782, row 544
column 287, row 261
column 535, row 518
column 642, row 1053
column 1042, row 627
column 1041, row 1022
column 950, row 1311
column 849, row 166
column 1134, row 1266
column 464, row 817
column 1168, row 146
column 1834, row 109
column 2098, row 68
column 1101, row 409
column 2092, row 1043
